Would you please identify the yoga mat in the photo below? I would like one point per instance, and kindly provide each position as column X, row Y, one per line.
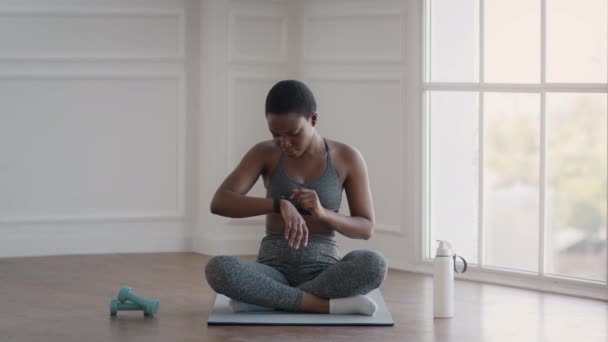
column 222, row 315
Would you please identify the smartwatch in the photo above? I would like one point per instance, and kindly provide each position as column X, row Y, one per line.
column 277, row 204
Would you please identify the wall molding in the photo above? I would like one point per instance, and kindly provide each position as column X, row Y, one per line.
column 357, row 77
column 115, row 237
column 226, row 245
column 310, row 18
column 179, row 16
column 133, row 217
column 87, row 75
column 389, row 229
column 382, row 228
column 233, row 78
column 176, row 215
column 234, row 57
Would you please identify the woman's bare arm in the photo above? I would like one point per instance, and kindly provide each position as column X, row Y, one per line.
column 230, row 200
column 360, row 223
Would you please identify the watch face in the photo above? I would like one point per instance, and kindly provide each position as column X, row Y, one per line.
column 299, row 208
column 304, row 211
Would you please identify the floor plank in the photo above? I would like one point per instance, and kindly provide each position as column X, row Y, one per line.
column 66, row 298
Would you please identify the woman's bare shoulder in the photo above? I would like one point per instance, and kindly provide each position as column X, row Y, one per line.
column 345, row 152
column 266, row 147
column 266, row 150
column 344, row 157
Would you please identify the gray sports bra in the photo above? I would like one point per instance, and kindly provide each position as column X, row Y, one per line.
column 328, row 186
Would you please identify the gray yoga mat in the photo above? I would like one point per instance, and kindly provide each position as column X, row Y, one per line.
column 222, row 315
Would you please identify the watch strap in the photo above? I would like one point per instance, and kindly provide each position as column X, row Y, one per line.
column 277, row 204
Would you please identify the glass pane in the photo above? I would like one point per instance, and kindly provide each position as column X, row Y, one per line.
column 511, row 178
column 454, row 40
column 512, row 41
column 577, row 41
column 576, row 185
column 454, row 151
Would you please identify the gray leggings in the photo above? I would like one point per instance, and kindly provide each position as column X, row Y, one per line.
column 281, row 273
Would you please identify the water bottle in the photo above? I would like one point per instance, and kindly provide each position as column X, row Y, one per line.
column 444, row 267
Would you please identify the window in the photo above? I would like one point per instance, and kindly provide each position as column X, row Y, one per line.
column 516, row 107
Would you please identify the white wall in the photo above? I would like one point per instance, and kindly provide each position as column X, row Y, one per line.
column 358, row 59
column 98, row 110
column 108, row 142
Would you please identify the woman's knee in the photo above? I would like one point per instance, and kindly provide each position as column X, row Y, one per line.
column 217, row 271
column 374, row 264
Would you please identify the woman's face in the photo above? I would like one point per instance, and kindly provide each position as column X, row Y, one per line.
column 292, row 132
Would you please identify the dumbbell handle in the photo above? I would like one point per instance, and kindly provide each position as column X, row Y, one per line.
column 128, row 307
column 116, row 306
column 143, row 302
column 150, row 306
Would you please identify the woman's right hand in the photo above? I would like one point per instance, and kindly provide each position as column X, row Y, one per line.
column 296, row 230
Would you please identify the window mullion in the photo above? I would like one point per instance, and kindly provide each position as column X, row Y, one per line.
column 426, row 77
column 606, row 275
column 480, row 206
column 543, row 139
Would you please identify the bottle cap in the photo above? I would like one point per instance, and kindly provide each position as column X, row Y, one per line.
column 444, row 249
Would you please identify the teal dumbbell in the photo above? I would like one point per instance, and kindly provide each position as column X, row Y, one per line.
column 116, row 306
column 150, row 306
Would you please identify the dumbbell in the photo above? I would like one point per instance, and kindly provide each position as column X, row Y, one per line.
column 116, row 306
column 150, row 306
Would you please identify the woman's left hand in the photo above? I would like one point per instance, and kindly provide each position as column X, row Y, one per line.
column 308, row 199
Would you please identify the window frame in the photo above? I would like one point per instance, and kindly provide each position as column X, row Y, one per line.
column 480, row 272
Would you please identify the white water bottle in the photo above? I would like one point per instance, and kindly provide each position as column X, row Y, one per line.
column 443, row 280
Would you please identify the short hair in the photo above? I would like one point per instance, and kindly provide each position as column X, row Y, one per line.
column 290, row 96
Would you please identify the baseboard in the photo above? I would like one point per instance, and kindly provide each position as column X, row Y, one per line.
column 92, row 238
column 226, row 245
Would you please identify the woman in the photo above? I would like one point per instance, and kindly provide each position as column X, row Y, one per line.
column 298, row 268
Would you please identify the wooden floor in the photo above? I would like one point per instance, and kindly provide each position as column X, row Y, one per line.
column 66, row 298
